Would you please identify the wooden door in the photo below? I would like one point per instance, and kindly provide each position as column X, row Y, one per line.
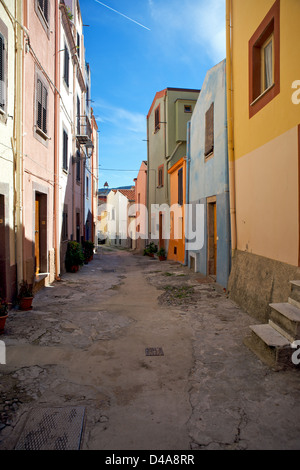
column 37, row 235
column 161, row 231
column 212, row 236
column 215, row 238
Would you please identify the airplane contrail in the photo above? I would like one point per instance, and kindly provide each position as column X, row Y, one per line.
column 119, row 13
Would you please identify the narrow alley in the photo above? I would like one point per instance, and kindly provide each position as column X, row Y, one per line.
column 154, row 356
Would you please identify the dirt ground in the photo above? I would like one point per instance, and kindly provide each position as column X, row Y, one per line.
column 155, row 355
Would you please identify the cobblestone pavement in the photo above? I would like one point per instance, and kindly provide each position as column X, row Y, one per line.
column 85, row 343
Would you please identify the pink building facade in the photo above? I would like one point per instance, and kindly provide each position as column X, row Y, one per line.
column 38, row 142
column 141, row 205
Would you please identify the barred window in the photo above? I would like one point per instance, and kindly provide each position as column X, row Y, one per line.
column 2, row 73
column 209, row 131
column 66, row 65
column 42, row 102
column 65, row 150
column 44, row 7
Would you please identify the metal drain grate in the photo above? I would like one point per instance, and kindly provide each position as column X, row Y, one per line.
column 52, row 429
column 154, row 352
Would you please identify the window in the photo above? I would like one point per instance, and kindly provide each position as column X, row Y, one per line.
column 64, row 232
column 180, row 187
column 87, row 187
column 264, row 61
column 187, row 108
column 267, row 63
column 65, row 150
column 44, row 8
column 78, row 115
column 78, row 169
column 66, row 65
column 160, row 176
column 157, row 118
column 209, row 131
column 2, row 74
column 41, row 106
column 78, row 45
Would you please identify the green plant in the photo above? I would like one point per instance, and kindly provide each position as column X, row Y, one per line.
column 88, row 249
column 74, row 255
column 151, row 248
column 161, row 252
column 3, row 307
column 26, row 290
column 69, row 13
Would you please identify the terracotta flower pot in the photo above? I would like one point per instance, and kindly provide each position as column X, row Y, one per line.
column 74, row 269
column 25, row 303
column 2, row 324
column 162, row 258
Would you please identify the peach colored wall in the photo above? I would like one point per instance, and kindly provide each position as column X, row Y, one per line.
column 267, row 200
column 141, row 189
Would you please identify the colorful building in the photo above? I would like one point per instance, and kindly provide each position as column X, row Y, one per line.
column 208, row 177
column 167, row 120
column 120, row 219
column 263, row 72
column 39, row 139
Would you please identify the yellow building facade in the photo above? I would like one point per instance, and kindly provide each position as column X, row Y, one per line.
column 263, row 87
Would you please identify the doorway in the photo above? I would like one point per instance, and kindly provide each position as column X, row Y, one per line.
column 212, row 236
column 40, row 233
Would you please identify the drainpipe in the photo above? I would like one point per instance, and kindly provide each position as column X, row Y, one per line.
column 18, row 143
column 187, row 189
column 56, row 145
column 231, row 161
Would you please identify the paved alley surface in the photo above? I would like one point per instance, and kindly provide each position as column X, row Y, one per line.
column 86, row 342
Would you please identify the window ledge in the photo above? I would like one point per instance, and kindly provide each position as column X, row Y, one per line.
column 42, row 133
column 262, row 94
column 209, row 156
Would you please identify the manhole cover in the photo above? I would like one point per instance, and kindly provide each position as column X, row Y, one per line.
column 154, row 352
column 52, row 429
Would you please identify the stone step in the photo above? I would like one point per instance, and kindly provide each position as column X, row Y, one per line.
column 270, row 346
column 295, row 290
column 294, row 302
column 285, row 317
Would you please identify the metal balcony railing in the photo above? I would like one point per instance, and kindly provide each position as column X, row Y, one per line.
column 83, row 130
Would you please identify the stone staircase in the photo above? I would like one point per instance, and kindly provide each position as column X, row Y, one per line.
column 271, row 342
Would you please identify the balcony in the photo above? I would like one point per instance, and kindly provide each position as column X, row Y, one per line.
column 84, row 130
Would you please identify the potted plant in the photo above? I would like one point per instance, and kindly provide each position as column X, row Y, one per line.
column 88, row 250
column 161, row 254
column 25, row 296
column 150, row 250
column 74, row 256
column 3, row 314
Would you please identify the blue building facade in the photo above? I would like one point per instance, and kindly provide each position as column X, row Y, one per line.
column 207, row 177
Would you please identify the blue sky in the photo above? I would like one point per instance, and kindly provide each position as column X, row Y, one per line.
column 130, row 63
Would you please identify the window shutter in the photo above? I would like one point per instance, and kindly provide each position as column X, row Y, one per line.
column 2, row 72
column 44, row 109
column 66, row 66
column 180, row 187
column 45, row 10
column 65, row 150
column 209, row 130
column 39, row 94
